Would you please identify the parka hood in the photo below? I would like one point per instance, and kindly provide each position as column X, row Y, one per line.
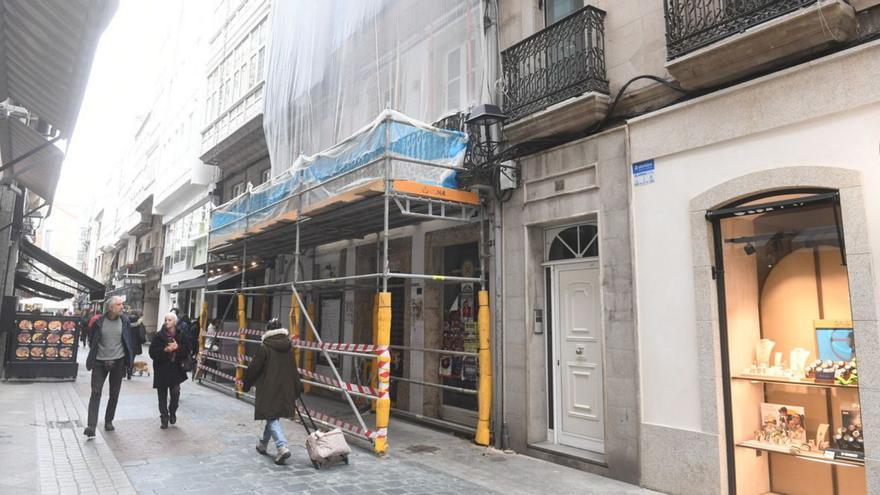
column 277, row 340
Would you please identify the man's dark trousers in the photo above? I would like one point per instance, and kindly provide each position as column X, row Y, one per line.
column 99, row 376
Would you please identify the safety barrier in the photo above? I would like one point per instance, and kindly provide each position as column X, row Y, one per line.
column 379, row 354
column 378, row 436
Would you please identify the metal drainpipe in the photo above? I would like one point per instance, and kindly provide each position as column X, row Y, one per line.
column 490, row 13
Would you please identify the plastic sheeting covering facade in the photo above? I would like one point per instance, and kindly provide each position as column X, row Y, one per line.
column 409, row 149
column 334, row 65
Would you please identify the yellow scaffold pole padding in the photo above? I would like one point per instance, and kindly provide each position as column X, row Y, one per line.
column 242, row 323
column 203, row 329
column 310, row 356
column 484, row 392
column 374, row 364
column 383, row 338
column 294, row 327
column 203, row 326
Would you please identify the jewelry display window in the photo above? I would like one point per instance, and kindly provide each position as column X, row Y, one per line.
column 788, row 350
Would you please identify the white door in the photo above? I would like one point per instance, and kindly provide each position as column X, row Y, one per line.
column 580, row 398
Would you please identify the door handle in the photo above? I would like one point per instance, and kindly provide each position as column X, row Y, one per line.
column 579, row 350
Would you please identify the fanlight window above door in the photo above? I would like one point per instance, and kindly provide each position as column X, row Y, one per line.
column 568, row 243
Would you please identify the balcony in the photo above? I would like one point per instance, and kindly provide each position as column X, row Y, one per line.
column 709, row 42
column 143, row 263
column 555, row 79
column 235, row 137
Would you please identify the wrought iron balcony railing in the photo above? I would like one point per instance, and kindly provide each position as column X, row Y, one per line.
column 693, row 24
column 144, row 262
column 564, row 60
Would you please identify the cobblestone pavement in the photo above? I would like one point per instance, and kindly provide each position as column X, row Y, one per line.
column 211, row 451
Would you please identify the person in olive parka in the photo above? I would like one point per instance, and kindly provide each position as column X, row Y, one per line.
column 273, row 371
column 169, row 351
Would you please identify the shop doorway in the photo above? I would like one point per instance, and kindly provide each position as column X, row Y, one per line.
column 575, row 339
column 460, row 335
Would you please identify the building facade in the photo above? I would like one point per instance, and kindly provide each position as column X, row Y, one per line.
column 687, row 125
column 232, row 134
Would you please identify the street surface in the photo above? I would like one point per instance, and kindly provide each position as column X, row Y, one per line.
column 211, row 451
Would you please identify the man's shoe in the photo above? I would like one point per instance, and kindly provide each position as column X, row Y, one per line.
column 108, row 425
column 89, row 432
column 173, row 418
column 283, row 455
column 164, row 423
column 261, row 448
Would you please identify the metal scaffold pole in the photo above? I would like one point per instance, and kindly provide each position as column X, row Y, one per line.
column 310, row 325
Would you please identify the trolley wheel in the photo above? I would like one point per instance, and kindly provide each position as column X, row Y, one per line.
column 316, row 465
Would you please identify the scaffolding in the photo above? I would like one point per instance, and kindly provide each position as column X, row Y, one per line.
column 369, row 192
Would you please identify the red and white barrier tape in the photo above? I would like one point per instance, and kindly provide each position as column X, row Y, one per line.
column 327, row 346
column 384, row 373
column 226, row 358
column 235, row 333
column 351, row 387
column 220, row 374
column 354, row 430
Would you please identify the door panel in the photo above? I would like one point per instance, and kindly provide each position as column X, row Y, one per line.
column 580, row 366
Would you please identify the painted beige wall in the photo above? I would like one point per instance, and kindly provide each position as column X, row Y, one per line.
column 804, row 126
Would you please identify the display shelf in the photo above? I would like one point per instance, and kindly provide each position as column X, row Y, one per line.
column 785, row 381
column 807, row 456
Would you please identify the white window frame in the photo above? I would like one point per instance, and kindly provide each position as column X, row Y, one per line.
column 237, row 190
column 462, row 78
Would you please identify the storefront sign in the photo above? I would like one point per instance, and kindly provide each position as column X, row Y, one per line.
column 44, row 346
column 643, row 173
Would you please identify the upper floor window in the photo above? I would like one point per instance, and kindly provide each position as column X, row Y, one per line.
column 237, row 190
column 560, row 9
column 454, row 84
column 239, row 71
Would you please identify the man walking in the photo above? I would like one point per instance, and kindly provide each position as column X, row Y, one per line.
column 110, row 354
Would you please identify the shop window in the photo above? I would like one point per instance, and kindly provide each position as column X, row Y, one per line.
column 460, row 326
column 789, row 356
column 566, row 243
column 329, row 324
column 398, row 327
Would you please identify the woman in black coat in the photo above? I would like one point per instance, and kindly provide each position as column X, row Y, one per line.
column 169, row 351
column 273, row 371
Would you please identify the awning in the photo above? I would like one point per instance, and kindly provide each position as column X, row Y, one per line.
column 199, row 282
column 38, row 172
column 46, row 52
column 40, row 289
column 93, row 287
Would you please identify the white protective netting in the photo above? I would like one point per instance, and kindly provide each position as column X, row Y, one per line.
column 334, row 65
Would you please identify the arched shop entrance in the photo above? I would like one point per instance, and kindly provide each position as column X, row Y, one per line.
column 788, row 357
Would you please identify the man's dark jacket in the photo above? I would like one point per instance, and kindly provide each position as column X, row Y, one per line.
column 95, row 340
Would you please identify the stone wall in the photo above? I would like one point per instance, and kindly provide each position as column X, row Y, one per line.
column 590, row 179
